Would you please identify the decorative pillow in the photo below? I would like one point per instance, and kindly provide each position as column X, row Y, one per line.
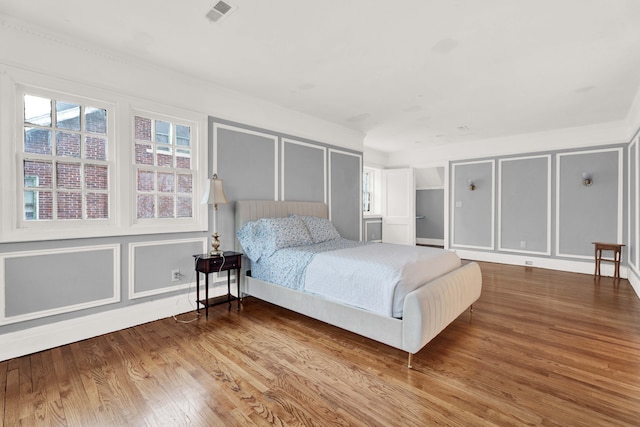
column 320, row 229
column 265, row 236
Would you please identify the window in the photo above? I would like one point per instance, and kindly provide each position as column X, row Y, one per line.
column 371, row 191
column 64, row 163
column 164, row 168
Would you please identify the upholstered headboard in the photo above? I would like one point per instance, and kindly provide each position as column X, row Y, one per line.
column 251, row 210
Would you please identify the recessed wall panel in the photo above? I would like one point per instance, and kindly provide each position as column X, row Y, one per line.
column 346, row 193
column 588, row 213
column 524, row 205
column 303, row 170
column 472, row 210
column 39, row 283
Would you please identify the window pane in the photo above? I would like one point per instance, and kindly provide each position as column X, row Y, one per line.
column 146, row 206
column 183, row 158
column 42, row 170
column 95, row 148
column 68, row 175
column 184, row 207
column 146, row 181
column 69, row 205
column 185, row 183
column 37, row 140
column 96, row 177
column 163, row 132
column 144, row 154
column 95, row 120
column 183, row 135
column 97, row 206
column 164, row 156
column 68, row 144
column 143, row 128
column 67, row 115
column 165, row 208
column 45, row 205
column 37, row 111
column 166, row 182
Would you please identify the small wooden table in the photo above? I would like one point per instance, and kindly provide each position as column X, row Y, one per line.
column 617, row 254
column 206, row 264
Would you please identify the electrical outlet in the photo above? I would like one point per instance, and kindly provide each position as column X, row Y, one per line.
column 175, row 275
column 523, row 244
column 528, row 262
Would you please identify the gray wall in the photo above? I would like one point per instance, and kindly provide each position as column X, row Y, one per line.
column 262, row 164
column 430, row 205
column 524, row 204
column 542, row 206
column 52, row 281
column 472, row 211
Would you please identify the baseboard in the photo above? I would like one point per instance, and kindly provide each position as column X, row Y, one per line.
column 431, row 242
column 584, row 267
column 634, row 279
column 32, row 340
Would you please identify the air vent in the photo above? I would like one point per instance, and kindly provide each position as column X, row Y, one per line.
column 220, row 10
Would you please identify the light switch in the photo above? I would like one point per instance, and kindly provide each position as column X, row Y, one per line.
column 458, row 204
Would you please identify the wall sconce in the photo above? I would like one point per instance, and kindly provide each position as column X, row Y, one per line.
column 471, row 184
column 587, row 179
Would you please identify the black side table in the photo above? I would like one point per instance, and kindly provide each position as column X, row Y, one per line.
column 206, row 264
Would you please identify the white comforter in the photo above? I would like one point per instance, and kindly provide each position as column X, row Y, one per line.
column 376, row 277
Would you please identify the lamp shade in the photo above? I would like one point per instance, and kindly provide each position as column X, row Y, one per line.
column 214, row 194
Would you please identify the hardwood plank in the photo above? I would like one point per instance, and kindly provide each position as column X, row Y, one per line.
column 541, row 348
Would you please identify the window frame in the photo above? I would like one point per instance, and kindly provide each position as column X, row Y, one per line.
column 22, row 155
column 174, row 121
column 375, row 189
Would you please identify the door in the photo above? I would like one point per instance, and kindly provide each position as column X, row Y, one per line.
column 398, row 206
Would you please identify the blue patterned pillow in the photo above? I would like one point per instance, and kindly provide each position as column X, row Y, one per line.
column 320, row 229
column 265, row 236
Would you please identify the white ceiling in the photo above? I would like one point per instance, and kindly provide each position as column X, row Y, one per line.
column 407, row 73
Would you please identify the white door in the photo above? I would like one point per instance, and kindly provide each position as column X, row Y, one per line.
column 398, row 206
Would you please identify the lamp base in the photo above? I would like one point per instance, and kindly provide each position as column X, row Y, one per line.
column 215, row 244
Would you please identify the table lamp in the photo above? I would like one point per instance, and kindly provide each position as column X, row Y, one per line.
column 214, row 195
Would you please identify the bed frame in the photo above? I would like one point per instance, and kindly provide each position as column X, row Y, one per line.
column 427, row 310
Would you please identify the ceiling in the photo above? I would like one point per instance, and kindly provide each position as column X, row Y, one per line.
column 408, row 73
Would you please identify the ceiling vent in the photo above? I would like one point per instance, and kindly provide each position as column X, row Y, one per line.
column 220, row 10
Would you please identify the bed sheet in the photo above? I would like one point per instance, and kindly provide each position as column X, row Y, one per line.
column 371, row 276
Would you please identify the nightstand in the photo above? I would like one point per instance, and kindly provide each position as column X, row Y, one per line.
column 207, row 264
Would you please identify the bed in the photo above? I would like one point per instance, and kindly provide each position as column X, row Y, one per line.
column 406, row 320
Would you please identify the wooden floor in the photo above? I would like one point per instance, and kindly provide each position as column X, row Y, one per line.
column 541, row 348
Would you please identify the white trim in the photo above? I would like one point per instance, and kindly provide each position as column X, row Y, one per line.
column 330, row 205
column 23, row 342
column 275, row 139
column 324, row 165
column 452, row 244
column 634, row 212
column 619, row 219
column 132, row 263
column 115, row 248
column 500, row 161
